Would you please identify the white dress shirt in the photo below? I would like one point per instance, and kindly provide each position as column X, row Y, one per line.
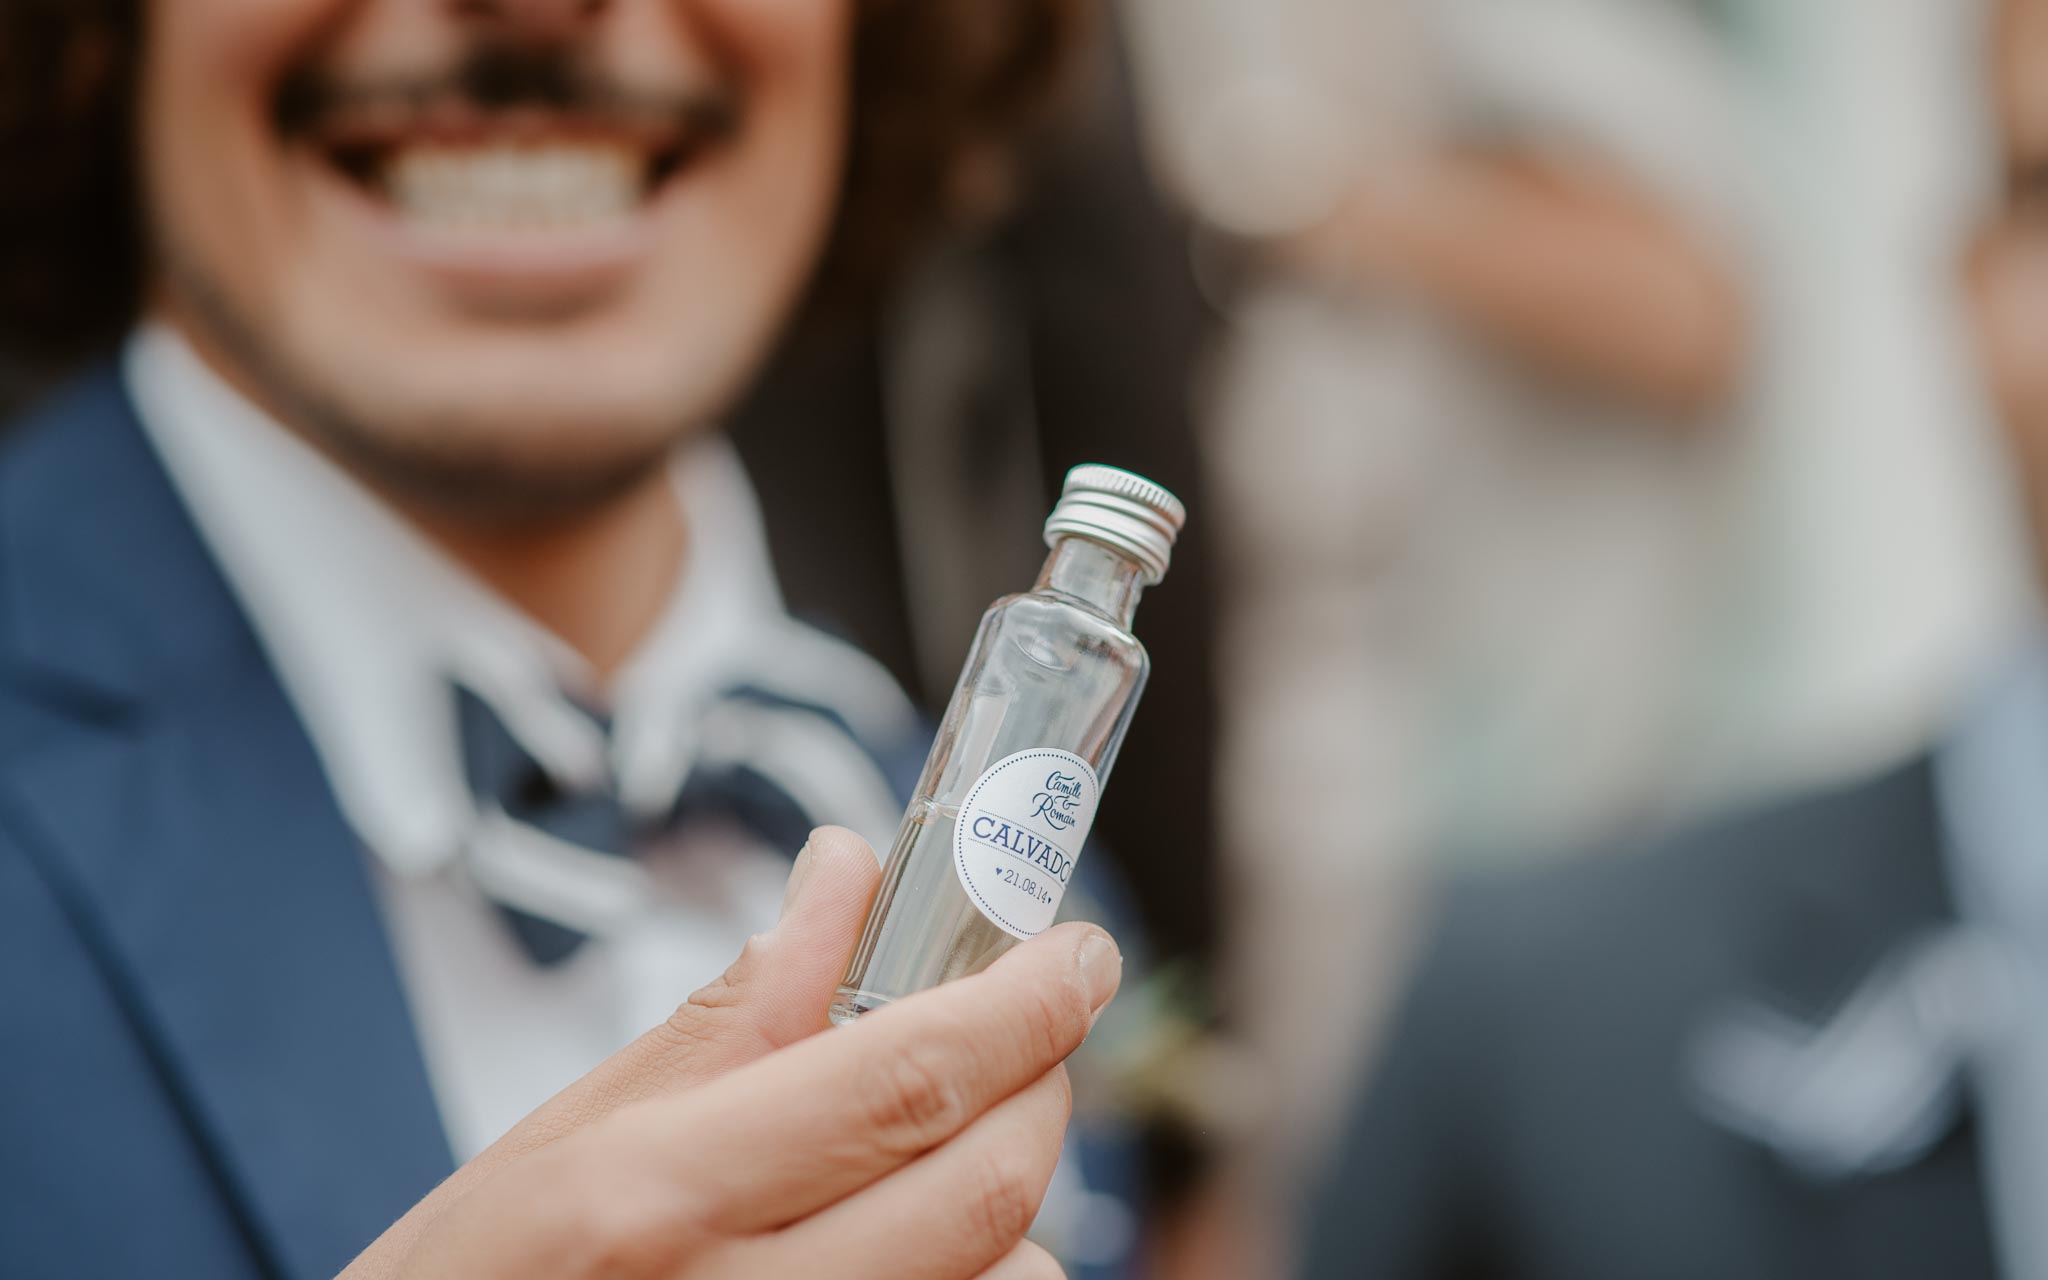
column 367, row 625
column 1990, row 774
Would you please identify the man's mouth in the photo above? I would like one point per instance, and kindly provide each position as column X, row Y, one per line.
column 443, row 161
column 512, row 185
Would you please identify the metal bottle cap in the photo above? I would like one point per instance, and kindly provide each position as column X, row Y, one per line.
column 1122, row 509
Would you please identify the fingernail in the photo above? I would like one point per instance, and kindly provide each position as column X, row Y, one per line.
column 1102, row 966
column 797, row 874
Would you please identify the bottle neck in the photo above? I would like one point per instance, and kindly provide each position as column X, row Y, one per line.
column 1089, row 572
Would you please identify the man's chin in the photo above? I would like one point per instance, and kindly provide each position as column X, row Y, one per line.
column 504, row 441
column 496, row 469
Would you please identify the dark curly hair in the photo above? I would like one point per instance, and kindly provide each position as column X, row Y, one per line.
column 944, row 91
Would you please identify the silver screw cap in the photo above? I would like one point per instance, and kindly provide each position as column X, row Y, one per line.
column 1122, row 509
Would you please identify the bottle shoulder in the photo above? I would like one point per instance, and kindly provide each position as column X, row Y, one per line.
column 1057, row 607
column 1064, row 622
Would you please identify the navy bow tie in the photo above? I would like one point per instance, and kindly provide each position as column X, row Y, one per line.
column 587, row 828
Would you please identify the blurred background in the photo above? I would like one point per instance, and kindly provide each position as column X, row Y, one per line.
column 1580, row 435
column 1571, row 401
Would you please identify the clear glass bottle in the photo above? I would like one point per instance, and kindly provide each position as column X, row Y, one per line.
column 1009, row 791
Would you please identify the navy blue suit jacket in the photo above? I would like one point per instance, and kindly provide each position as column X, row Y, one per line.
column 207, row 1065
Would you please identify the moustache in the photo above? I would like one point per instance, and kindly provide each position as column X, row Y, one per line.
column 496, row 81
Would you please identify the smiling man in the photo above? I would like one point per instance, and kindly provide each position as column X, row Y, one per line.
column 491, row 256
column 397, row 709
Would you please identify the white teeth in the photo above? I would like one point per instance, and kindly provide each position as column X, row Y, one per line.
column 516, row 187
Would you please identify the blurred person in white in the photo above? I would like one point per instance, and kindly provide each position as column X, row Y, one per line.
column 1569, row 465
column 1806, row 1041
column 1472, row 426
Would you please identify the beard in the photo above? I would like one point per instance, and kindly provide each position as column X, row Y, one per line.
column 457, row 464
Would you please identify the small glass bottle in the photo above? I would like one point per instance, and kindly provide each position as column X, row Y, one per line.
column 1009, row 791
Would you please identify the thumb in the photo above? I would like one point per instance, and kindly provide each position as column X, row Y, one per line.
column 777, row 991
column 774, row 994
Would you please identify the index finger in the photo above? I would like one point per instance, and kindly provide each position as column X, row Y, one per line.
column 819, row 1120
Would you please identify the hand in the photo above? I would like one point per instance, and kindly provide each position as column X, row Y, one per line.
column 733, row 1142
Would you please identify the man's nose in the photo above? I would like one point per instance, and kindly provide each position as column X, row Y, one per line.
column 531, row 19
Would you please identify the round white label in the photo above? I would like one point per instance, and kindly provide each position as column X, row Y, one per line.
column 1019, row 834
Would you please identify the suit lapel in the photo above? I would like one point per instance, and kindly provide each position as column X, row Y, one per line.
column 175, row 800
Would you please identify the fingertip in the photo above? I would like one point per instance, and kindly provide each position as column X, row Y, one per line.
column 1072, row 938
column 824, row 909
column 844, row 856
column 1028, row 1261
column 1091, row 954
column 838, row 883
column 1068, row 931
column 799, row 871
column 1101, row 964
column 839, row 845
